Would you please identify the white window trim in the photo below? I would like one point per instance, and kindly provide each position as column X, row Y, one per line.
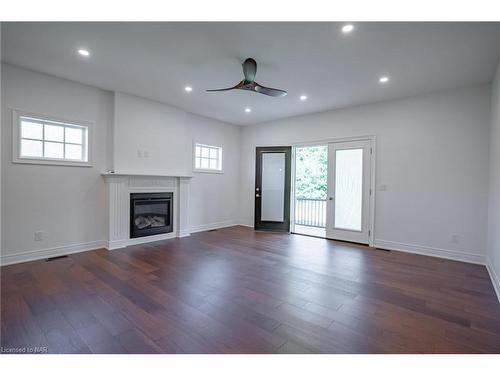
column 16, row 141
column 201, row 170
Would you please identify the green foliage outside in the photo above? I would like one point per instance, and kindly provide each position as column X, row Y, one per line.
column 311, row 172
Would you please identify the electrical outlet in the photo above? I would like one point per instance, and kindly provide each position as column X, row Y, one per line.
column 38, row 235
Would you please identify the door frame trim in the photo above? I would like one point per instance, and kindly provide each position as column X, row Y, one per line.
column 373, row 158
column 288, row 188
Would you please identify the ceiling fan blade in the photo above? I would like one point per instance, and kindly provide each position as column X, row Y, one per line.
column 238, row 86
column 227, row 89
column 269, row 91
column 249, row 69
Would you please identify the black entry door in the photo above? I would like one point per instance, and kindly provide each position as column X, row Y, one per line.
column 272, row 188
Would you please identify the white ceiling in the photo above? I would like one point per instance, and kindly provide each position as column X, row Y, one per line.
column 156, row 61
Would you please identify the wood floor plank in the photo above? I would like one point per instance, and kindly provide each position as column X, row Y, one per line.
column 235, row 290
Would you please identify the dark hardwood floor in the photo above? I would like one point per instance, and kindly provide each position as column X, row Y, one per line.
column 238, row 291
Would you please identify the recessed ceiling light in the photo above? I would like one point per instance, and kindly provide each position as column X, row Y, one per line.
column 248, row 110
column 347, row 28
column 84, row 52
column 303, row 97
column 188, row 89
column 383, row 79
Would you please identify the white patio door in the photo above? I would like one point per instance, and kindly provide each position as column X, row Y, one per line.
column 348, row 202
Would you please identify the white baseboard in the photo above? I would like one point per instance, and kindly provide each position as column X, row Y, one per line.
column 119, row 244
column 495, row 280
column 183, row 233
column 245, row 225
column 431, row 251
column 28, row 256
column 211, row 226
column 186, row 233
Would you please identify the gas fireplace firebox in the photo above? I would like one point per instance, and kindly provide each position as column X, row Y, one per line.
column 150, row 214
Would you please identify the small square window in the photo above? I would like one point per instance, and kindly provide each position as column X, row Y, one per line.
column 207, row 158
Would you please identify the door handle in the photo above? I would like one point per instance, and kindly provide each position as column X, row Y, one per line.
column 330, row 198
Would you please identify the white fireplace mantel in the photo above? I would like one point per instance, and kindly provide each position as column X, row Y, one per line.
column 119, row 186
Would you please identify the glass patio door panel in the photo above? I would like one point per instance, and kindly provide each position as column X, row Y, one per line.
column 273, row 186
column 348, row 188
column 348, row 202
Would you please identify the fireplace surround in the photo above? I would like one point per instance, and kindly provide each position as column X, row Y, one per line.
column 121, row 187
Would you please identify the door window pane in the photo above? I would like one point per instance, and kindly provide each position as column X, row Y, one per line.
column 348, row 189
column 273, row 186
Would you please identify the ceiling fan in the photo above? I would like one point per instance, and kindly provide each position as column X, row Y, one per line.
column 249, row 84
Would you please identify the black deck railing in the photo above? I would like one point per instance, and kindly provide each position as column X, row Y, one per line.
column 310, row 212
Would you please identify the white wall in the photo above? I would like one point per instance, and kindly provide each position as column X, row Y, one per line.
column 149, row 137
column 66, row 203
column 494, row 187
column 432, row 153
column 166, row 134
column 0, row 139
column 69, row 203
column 215, row 198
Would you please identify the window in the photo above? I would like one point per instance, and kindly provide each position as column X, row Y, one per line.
column 46, row 141
column 207, row 158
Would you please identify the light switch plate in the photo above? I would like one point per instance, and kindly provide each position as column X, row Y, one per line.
column 38, row 235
